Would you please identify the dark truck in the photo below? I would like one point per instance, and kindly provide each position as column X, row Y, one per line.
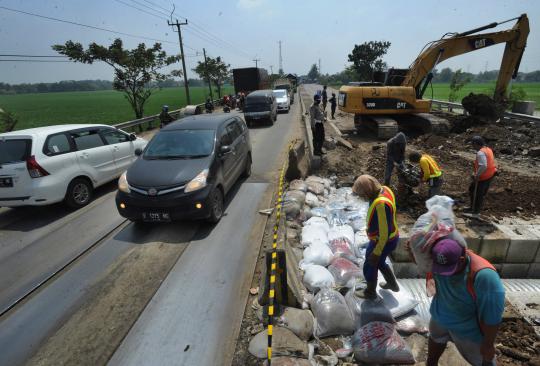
column 249, row 79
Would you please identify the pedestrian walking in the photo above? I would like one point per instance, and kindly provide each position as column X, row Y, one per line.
column 395, row 153
column 467, row 306
column 317, row 119
column 324, row 98
column 382, row 231
column 431, row 173
column 485, row 169
column 333, row 104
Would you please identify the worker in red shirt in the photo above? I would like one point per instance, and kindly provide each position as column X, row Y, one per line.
column 485, row 169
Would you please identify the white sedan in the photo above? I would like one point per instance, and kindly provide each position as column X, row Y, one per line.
column 282, row 99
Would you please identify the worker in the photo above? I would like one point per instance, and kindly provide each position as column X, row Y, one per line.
column 324, row 98
column 382, row 231
column 431, row 173
column 317, row 119
column 164, row 117
column 485, row 170
column 395, row 154
column 333, row 104
column 468, row 304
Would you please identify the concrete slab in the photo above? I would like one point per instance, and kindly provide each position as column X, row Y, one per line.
column 514, row 270
column 494, row 247
column 473, row 239
column 534, row 271
column 523, row 243
column 405, row 270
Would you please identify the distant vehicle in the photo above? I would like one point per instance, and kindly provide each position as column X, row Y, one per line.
column 250, row 79
column 186, row 170
column 260, row 106
column 45, row 165
column 285, row 83
column 282, row 100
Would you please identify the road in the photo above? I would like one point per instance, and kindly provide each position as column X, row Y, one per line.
column 73, row 284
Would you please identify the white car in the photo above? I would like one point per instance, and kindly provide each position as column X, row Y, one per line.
column 45, row 165
column 282, row 100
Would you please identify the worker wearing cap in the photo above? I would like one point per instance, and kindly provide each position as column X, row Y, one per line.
column 431, row 173
column 395, row 154
column 317, row 119
column 468, row 304
column 485, row 169
column 382, row 231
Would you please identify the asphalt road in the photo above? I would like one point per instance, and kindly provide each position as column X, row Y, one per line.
column 201, row 301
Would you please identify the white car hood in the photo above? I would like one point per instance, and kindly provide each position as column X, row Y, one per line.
column 282, row 100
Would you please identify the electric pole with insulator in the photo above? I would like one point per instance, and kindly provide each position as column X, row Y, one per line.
column 207, row 75
column 179, row 31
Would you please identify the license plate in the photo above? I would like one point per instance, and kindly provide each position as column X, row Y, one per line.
column 156, row 216
column 6, row 182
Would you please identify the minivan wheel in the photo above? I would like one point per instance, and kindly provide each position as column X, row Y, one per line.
column 216, row 206
column 247, row 169
column 79, row 193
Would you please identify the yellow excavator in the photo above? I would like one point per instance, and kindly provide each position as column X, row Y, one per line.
column 395, row 97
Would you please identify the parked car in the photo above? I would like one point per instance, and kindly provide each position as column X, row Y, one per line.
column 260, row 106
column 282, row 99
column 186, row 170
column 45, row 165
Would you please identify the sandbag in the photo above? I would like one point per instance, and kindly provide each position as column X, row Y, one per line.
column 291, row 209
column 316, row 253
column 341, row 232
column 341, row 248
column 315, row 187
column 360, row 239
column 324, row 181
column 307, row 213
column 300, row 322
column 298, row 196
column 331, row 314
column 412, row 324
column 317, row 277
column 312, row 200
column 319, row 212
column 345, row 272
column 365, row 311
column 379, row 342
column 317, row 221
column 298, row 185
column 399, row 303
column 313, row 234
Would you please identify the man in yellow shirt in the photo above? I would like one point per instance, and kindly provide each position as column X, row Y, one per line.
column 431, row 173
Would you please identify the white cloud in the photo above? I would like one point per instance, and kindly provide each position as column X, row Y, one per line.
column 249, row 4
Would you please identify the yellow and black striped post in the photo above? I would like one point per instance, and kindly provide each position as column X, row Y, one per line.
column 273, row 268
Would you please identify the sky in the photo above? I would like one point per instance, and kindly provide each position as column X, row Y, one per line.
column 243, row 30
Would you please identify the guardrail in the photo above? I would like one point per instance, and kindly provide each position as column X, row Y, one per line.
column 450, row 106
column 187, row 110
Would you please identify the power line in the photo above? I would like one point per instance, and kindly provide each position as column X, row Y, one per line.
column 141, row 10
column 33, row 56
column 86, row 25
column 22, row 60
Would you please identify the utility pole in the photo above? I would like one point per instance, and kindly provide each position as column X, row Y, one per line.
column 179, row 30
column 256, row 62
column 208, row 75
column 280, row 60
column 320, row 67
column 271, row 69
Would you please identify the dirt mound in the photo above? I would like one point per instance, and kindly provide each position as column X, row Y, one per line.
column 483, row 106
column 517, row 343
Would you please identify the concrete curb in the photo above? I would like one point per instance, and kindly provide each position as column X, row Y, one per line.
column 514, row 250
column 314, row 160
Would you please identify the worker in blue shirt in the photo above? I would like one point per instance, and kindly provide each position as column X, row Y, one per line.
column 468, row 304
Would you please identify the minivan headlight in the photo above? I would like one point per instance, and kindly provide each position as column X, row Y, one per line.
column 123, row 185
column 198, row 182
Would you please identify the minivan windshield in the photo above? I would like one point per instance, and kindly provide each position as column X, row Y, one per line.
column 280, row 93
column 14, row 151
column 180, row 144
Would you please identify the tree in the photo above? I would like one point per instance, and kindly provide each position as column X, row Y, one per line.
column 367, row 58
column 445, row 76
column 313, row 73
column 218, row 71
column 136, row 71
column 7, row 121
column 459, row 80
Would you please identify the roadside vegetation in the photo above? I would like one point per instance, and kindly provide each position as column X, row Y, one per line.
column 108, row 107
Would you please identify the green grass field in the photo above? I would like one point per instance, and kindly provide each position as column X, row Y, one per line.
column 108, row 107
column 441, row 91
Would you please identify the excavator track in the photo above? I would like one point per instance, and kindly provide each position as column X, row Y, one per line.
column 386, row 127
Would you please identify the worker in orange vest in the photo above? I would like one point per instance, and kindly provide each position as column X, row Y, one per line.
column 468, row 304
column 431, row 173
column 485, row 169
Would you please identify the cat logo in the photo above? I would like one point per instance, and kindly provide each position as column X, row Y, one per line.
column 479, row 43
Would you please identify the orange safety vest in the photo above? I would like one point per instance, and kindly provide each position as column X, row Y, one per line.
column 491, row 167
column 476, row 264
column 387, row 197
column 434, row 170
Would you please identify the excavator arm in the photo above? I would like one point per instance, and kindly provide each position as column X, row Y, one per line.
column 445, row 48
